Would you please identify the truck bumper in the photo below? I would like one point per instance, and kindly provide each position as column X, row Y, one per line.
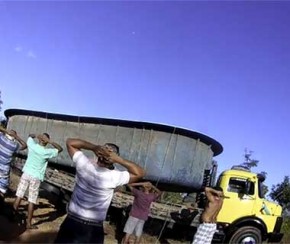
column 219, row 237
column 275, row 237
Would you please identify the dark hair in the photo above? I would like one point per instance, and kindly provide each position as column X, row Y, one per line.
column 218, row 188
column 47, row 135
column 114, row 147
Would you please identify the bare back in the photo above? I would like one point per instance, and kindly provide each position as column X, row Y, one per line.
column 214, row 205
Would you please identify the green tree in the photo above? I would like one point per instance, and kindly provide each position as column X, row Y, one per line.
column 250, row 163
column 281, row 193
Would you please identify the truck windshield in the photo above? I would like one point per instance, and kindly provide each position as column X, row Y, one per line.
column 238, row 185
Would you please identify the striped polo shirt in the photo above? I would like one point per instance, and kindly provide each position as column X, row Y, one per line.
column 7, row 148
column 94, row 188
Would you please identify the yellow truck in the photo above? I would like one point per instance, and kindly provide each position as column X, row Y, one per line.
column 246, row 216
column 175, row 159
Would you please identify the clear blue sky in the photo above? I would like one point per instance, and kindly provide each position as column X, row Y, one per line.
column 221, row 68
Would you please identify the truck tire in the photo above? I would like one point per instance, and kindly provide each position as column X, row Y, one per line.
column 50, row 188
column 246, row 234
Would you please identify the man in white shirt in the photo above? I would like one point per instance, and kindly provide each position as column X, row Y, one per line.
column 93, row 192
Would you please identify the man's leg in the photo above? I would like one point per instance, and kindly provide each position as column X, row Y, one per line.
column 129, row 228
column 63, row 234
column 30, row 215
column 211, row 232
column 4, row 183
column 201, row 234
column 139, row 230
column 2, row 197
column 126, row 239
column 138, row 240
column 17, row 203
column 21, row 189
column 72, row 231
column 32, row 199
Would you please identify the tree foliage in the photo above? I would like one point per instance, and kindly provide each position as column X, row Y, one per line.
column 250, row 163
column 281, row 193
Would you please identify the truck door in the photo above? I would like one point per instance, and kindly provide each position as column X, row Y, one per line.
column 238, row 204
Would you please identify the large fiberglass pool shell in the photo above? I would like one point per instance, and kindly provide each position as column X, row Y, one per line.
column 171, row 156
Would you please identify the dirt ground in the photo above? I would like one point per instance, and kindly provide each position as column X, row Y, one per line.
column 48, row 220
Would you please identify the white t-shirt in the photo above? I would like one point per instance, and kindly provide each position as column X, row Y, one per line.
column 94, row 188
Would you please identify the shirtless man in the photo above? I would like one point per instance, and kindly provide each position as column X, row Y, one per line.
column 207, row 228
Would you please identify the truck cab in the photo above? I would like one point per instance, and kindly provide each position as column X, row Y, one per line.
column 246, row 216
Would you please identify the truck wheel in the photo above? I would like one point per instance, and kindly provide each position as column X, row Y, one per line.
column 246, row 235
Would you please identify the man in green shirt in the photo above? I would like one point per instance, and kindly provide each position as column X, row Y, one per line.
column 34, row 171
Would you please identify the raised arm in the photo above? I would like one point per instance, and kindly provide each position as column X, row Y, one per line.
column 131, row 185
column 21, row 142
column 157, row 191
column 210, row 192
column 136, row 172
column 138, row 184
column 73, row 145
column 57, row 146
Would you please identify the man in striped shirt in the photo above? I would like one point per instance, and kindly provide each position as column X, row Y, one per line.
column 10, row 143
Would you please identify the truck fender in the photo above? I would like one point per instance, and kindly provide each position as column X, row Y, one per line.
column 247, row 221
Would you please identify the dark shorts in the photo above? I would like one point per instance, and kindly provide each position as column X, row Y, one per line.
column 73, row 230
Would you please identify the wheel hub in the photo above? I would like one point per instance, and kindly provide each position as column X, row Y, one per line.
column 248, row 240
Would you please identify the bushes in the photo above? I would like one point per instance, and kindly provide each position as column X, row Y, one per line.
column 286, row 230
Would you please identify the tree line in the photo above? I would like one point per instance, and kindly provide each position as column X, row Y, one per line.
column 279, row 192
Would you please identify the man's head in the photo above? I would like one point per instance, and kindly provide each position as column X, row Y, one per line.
column 147, row 187
column 219, row 193
column 111, row 148
column 43, row 139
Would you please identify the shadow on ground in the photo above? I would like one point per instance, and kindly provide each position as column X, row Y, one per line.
column 14, row 230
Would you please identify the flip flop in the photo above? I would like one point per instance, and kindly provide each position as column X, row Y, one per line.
column 32, row 227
